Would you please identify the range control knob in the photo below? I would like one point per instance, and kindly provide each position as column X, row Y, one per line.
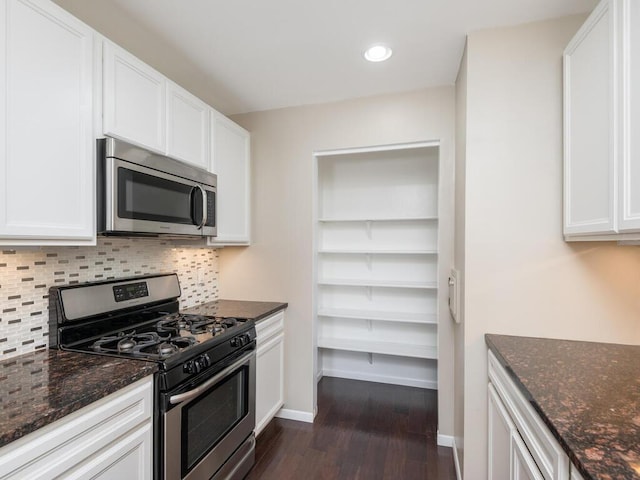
column 206, row 360
column 240, row 340
column 197, row 365
column 189, row 367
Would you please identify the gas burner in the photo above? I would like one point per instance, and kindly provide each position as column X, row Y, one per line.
column 144, row 345
column 126, row 344
column 229, row 322
column 194, row 324
column 165, row 349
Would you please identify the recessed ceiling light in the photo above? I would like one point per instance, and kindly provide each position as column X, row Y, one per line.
column 377, row 53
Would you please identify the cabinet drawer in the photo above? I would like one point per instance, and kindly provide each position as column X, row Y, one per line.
column 61, row 446
column 547, row 453
column 269, row 327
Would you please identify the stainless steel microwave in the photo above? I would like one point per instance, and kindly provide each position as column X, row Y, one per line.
column 141, row 193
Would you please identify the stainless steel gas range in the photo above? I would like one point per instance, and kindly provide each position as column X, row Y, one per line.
column 205, row 388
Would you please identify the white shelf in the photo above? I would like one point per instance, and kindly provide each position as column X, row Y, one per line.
column 378, row 252
column 384, row 348
column 377, row 264
column 426, row 318
column 377, row 283
column 379, row 219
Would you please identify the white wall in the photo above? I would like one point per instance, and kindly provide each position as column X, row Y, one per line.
column 278, row 265
column 521, row 277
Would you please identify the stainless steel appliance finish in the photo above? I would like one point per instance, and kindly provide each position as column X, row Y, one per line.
column 177, row 455
column 141, row 193
column 100, row 298
column 205, row 387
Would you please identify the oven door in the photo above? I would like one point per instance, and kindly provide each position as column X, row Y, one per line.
column 206, row 424
column 143, row 200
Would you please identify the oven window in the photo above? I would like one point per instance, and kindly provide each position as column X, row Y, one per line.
column 207, row 420
column 146, row 197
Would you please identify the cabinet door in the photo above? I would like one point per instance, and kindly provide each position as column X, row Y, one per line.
column 230, row 160
column 127, row 457
column 524, row 468
column 630, row 121
column 575, row 474
column 134, row 100
column 269, row 380
column 501, row 432
column 590, row 136
column 187, row 127
column 103, row 436
column 46, row 137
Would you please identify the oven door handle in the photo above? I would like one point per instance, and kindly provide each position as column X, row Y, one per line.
column 183, row 397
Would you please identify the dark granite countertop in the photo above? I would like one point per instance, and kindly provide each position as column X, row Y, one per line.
column 238, row 308
column 587, row 393
column 41, row 387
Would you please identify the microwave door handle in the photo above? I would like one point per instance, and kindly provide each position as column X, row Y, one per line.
column 204, row 207
column 199, row 222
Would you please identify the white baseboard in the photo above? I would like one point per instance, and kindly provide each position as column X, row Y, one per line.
column 456, row 461
column 318, row 376
column 297, row 415
column 449, row 441
column 408, row 382
column 445, row 440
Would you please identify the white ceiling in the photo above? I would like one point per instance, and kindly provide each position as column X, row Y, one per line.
column 249, row 55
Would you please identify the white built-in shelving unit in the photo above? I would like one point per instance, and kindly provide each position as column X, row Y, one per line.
column 377, row 264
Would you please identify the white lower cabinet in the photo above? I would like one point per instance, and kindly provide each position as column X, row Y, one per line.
column 110, row 439
column 524, row 467
column 501, row 434
column 575, row 475
column 521, row 447
column 269, row 369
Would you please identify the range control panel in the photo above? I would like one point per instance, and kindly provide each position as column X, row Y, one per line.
column 122, row 293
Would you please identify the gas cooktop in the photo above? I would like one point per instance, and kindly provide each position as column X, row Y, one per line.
column 139, row 318
column 169, row 335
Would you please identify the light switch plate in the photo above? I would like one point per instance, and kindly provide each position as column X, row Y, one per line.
column 454, row 295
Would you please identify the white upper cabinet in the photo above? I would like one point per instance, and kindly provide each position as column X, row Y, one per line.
column 590, row 169
column 602, row 156
column 134, row 100
column 630, row 110
column 143, row 107
column 230, row 160
column 46, row 117
column 188, row 129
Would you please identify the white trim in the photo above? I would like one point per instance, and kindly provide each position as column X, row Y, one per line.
column 450, row 441
column 407, row 382
column 377, row 148
column 456, row 460
column 298, row 415
column 445, row 440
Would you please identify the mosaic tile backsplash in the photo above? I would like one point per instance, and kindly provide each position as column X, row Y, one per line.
column 27, row 274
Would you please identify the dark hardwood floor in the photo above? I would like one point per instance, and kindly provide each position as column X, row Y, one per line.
column 363, row 431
